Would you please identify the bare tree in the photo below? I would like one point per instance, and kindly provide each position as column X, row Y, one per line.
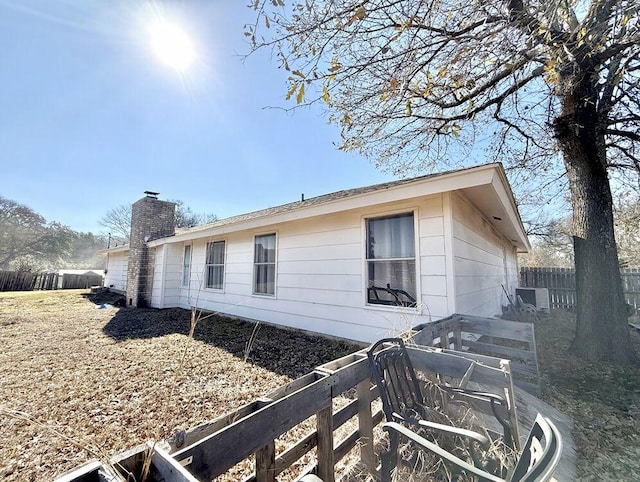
column 412, row 83
column 118, row 220
column 627, row 227
column 552, row 247
column 186, row 218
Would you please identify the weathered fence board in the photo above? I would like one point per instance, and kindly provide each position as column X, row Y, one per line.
column 26, row 281
column 45, row 281
column 266, row 463
column 93, row 471
column 324, row 424
column 164, row 467
column 80, row 281
column 16, row 281
column 561, row 283
column 212, row 457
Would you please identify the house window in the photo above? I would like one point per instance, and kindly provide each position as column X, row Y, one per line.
column 264, row 264
column 391, row 260
column 186, row 265
column 214, row 267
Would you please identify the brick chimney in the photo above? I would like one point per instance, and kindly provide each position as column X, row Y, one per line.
column 151, row 219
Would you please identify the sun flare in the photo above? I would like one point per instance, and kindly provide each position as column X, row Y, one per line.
column 171, row 45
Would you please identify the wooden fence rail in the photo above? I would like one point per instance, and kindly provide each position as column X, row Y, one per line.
column 561, row 283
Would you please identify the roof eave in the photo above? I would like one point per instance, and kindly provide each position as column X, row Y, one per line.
column 116, row 249
column 484, row 175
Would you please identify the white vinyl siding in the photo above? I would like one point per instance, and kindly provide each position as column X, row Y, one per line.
column 264, row 264
column 167, row 275
column 172, row 275
column 214, row 266
column 116, row 276
column 186, row 265
column 320, row 275
column 484, row 261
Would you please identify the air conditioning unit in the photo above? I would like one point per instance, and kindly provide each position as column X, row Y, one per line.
column 538, row 297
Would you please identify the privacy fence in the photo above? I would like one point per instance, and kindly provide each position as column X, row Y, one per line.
column 26, row 281
column 561, row 283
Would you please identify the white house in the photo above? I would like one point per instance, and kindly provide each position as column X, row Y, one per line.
column 359, row 264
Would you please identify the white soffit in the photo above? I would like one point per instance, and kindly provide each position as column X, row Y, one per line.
column 496, row 202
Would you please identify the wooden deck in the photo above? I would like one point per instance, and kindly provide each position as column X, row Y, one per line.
column 210, row 450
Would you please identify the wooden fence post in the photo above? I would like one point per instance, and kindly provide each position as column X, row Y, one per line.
column 324, row 422
column 365, row 425
column 457, row 335
column 266, row 463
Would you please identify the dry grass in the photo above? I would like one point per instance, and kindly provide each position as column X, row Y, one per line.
column 603, row 400
column 79, row 382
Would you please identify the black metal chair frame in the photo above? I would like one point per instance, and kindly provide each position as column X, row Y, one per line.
column 537, row 461
column 402, row 397
column 408, row 300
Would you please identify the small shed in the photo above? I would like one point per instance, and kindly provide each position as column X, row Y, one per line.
column 79, row 278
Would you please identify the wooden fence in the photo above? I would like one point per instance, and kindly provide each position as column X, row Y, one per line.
column 45, row 281
column 334, row 393
column 25, row 281
column 505, row 339
column 16, row 281
column 561, row 283
column 80, row 281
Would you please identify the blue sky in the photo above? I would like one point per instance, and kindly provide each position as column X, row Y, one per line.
column 90, row 118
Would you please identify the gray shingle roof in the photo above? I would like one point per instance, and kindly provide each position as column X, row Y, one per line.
column 314, row 201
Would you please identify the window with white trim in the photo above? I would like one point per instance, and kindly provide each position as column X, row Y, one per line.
column 186, row 265
column 214, row 266
column 391, row 260
column 264, row 264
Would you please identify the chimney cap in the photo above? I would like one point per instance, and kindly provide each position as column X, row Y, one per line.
column 152, row 194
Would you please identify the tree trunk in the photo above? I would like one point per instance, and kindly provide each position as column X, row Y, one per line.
column 602, row 330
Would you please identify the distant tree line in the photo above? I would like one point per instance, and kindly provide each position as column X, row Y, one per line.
column 28, row 242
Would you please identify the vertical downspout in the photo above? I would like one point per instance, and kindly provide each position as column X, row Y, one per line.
column 106, row 271
column 447, row 215
column 163, row 276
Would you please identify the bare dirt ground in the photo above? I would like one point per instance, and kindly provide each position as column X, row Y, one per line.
column 78, row 382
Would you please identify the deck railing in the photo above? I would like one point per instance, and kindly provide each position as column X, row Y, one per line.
column 513, row 340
